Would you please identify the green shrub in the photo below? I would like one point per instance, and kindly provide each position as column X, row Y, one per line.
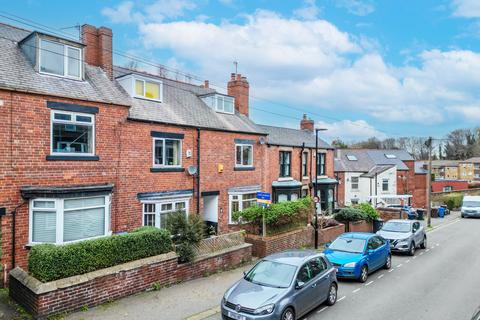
column 279, row 216
column 350, row 214
column 186, row 232
column 453, row 200
column 369, row 211
column 48, row 262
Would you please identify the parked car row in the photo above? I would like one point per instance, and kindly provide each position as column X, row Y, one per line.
column 290, row 284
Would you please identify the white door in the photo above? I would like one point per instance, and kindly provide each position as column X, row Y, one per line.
column 210, row 208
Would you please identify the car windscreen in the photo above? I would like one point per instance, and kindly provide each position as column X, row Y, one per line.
column 392, row 226
column 471, row 204
column 348, row 245
column 271, row 274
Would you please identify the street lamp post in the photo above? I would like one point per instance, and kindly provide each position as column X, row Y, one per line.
column 315, row 186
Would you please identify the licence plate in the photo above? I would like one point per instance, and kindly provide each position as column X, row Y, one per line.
column 236, row 316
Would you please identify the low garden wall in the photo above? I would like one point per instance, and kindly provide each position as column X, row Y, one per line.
column 360, row 226
column 97, row 287
column 264, row 246
column 330, row 233
column 391, row 213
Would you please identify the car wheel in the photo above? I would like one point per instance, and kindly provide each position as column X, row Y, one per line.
column 363, row 274
column 424, row 243
column 412, row 249
column 462, row 216
column 288, row 314
column 388, row 263
column 332, row 295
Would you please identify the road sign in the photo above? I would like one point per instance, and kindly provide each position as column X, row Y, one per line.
column 316, row 199
column 263, row 199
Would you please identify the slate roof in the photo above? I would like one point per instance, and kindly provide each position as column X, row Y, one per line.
column 17, row 73
column 377, row 170
column 292, row 137
column 182, row 105
column 369, row 158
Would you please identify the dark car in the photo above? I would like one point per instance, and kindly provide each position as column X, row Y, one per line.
column 282, row 286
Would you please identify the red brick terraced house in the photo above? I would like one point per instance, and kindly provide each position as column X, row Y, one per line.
column 291, row 160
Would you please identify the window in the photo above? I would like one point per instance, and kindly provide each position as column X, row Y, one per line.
column 385, row 185
column 244, row 155
column 354, row 201
column 351, row 157
column 167, row 153
column 239, row 202
column 155, row 214
column 447, row 189
column 317, row 266
column 390, row 156
column 66, row 220
column 220, row 103
column 304, row 193
column 59, row 59
column 285, row 157
column 305, row 164
column 354, row 181
column 321, row 164
column 72, row 133
column 305, row 274
column 148, row 89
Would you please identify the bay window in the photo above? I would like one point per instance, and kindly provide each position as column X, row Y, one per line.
column 155, row 214
column 239, row 202
column 72, row 133
column 66, row 220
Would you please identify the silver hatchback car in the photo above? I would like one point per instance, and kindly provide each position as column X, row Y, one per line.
column 404, row 235
column 284, row 286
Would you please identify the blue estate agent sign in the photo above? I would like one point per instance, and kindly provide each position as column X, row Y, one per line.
column 263, row 199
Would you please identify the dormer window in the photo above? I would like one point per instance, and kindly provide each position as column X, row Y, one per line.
column 141, row 87
column 60, row 59
column 54, row 56
column 220, row 102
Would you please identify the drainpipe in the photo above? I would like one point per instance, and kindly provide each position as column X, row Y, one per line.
column 301, row 163
column 198, row 171
column 376, row 190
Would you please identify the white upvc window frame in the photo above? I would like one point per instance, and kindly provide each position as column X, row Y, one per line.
column 158, row 208
column 59, row 209
column 241, row 165
column 145, row 80
column 154, row 165
column 73, row 122
column 240, row 203
column 65, row 60
column 387, row 184
column 216, row 102
column 357, row 183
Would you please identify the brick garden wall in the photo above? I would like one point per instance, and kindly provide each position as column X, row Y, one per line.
column 360, row 226
column 104, row 285
column 331, row 233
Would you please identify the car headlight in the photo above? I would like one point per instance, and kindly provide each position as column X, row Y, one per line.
column 403, row 241
column 350, row 265
column 265, row 309
column 224, row 300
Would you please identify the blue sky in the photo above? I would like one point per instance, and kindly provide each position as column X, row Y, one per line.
column 360, row 68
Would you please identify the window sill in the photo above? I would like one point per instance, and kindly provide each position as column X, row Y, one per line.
column 72, row 158
column 243, row 168
column 285, row 178
column 167, row 169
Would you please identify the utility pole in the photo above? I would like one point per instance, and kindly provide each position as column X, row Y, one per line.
column 429, row 183
column 315, row 186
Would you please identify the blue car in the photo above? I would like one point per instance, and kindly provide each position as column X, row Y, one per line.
column 356, row 254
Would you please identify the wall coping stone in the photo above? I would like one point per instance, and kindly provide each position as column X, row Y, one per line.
column 38, row 287
column 279, row 235
column 221, row 252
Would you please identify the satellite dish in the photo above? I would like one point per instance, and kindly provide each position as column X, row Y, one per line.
column 262, row 140
column 192, row 170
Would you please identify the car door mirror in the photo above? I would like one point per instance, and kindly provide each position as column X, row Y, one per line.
column 299, row 284
column 244, row 273
column 370, row 251
column 328, row 244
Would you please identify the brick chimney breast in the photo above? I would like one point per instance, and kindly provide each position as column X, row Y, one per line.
column 307, row 124
column 98, row 50
column 239, row 88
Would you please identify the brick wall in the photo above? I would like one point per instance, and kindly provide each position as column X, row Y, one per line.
column 113, row 283
column 360, row 226
column 331, row 233
column 341, row 189
column 391, row 213
column 264, row 246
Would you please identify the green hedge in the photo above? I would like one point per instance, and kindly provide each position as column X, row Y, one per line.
column 279, row 217
column 48, row 262
column 369, row 211
column 453, row 200
column 350, row 214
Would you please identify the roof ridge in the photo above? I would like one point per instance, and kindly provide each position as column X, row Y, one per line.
column 14, row 27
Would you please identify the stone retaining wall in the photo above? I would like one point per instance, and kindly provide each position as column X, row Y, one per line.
column 94, row 288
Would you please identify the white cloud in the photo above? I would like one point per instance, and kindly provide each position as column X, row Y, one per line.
column 312, row 64
column 349, row 130
column 466, row 8
column 309, row 10
column 157, row 11
column 357, row 7
column 470, row 112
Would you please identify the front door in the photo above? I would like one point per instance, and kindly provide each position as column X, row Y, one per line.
column 210, row 208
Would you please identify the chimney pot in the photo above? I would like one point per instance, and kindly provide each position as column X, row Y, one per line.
column 232, row 76
column 239, row 76
column 206, row 84
column 307, row 124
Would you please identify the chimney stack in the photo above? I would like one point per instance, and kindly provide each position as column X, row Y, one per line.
column 98, row 50
column 206, row 84
column 239, row 88
column 307, row 124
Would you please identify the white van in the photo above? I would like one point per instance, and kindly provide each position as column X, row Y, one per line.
column 471, row 206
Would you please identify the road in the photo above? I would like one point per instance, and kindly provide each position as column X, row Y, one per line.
column 441, row 282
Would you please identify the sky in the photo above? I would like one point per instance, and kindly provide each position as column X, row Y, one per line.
column 359, row 68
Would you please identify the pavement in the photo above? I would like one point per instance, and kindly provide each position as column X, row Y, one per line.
column 428, row 286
